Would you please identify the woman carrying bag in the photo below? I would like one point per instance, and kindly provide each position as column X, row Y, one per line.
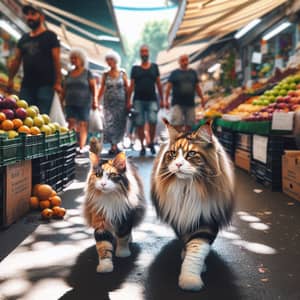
column 80, row 95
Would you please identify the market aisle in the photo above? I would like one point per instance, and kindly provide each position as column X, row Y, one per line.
column 256, row 258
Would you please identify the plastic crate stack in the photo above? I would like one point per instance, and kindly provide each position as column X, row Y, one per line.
column 269, row 173
column 59, row 154
column 227, row 139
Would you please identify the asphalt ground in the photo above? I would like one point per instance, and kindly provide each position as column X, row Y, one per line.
column 258, row 257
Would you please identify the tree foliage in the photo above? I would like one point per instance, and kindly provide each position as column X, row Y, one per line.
column 155, row 35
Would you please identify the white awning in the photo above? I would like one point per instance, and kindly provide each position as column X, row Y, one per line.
column 197, row 20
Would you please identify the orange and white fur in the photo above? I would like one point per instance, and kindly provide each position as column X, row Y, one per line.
column 192, row 190
column 114, row 204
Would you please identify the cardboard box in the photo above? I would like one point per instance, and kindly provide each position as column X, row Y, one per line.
column 291, row 174
column 242, row 159
column 17, row 183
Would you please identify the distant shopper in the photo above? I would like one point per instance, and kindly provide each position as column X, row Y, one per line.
column 184, row 84
column 80, row 94
column 144, row 79
column 39, row 51
column 114, row 90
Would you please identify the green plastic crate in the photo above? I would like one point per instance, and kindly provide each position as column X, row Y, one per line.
column 51, row 143
column 11, row 150
column 67, row 138
column 33, row 146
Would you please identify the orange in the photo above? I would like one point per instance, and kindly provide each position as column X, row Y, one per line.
column 43, row 191
column 45, row 204
column 35, row 189
column 58, row 212
column 53, row 193
column 34, row 130
column 55, row 200
column 2, row 116
column 24, row 129
column 47, row 213
column 34, row 202
column 7, row 125
column 17, row 123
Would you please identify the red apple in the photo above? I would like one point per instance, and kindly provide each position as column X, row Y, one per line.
column 9, row 113
column 21, row 113
column 9, row 103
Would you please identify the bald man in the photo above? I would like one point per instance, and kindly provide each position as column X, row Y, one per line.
column 184, row 84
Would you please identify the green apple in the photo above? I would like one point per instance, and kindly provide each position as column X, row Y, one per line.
column 28, row 122
column 12, row 134
column 52, row 127
column 63, row 129
column 46, row 129
column 31, row 112
column 22, row 103
column 35, row 108
column 46, row 118
column 57, row 126
column 38, row 121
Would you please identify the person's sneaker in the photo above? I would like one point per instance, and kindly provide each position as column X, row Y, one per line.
column 152, row 149
column 143, row 152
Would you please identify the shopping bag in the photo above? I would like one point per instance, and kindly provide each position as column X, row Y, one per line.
column 95, row 121
column 56, row 113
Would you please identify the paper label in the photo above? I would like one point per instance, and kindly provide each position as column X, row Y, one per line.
column 259, row 148
column 283, row 120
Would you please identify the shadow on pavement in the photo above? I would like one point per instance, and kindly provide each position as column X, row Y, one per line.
column 86, row 283
column 162, row 281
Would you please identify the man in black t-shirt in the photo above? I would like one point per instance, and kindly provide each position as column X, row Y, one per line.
column 39, row 51
column 144, row 78
column 184, row 84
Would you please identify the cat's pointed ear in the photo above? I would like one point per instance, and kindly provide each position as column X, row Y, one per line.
column 173, row 133
column 94, row 159
column 120, row 161
column 205, row 132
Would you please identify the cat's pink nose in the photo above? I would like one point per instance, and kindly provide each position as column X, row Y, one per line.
column 178, row 165
column 103, row 184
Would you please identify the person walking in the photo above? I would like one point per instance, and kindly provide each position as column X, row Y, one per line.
column 39, row 52
column 143, row 80
column 79, row 95
column 184, row 84
column 114, row 89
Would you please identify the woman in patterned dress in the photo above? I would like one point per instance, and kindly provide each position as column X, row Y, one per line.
column 114, row 92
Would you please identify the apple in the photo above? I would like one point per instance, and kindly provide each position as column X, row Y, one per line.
column 14, row 97
column 38, row 121
column 9, row 113
column 52, row 127
column 21, row 113
column 22, row 103
column 46, row 129
column 57, row 126
column 46, row 118
column 63, row 129
column 287, row 99
column 28, row 122
column 9, row 103
column 31, row 112
column 35, row 108
column 12, row 134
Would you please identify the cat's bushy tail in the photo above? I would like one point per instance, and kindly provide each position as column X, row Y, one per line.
column 95, row 146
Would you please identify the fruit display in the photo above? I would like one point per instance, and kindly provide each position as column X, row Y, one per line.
column 45, row 199
column 17, row 116
column 284, row 97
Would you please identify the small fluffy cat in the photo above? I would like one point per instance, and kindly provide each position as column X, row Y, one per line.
column 114, row 204
column 192, row 188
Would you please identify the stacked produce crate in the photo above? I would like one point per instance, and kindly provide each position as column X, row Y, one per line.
column 227, row 138
column 269, row 172
column 243, row 146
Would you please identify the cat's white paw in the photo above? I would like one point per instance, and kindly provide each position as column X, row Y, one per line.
column 105, row 266
column 190, row 282
column 123, row 251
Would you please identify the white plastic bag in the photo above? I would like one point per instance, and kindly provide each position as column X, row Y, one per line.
column 56, row 113
column 95, row 121
column 161, row 130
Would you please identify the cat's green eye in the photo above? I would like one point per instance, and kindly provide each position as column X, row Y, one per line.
column 113, row 175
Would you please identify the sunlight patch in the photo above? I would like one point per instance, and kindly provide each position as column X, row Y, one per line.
column 249, row 218
column 259, row 226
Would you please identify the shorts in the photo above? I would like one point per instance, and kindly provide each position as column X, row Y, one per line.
column 41, row 96
column 146, row 112
column 79, row 113
column 182, row 115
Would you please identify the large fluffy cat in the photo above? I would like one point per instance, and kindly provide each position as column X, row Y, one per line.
column 192, row 189
column 114, row 204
